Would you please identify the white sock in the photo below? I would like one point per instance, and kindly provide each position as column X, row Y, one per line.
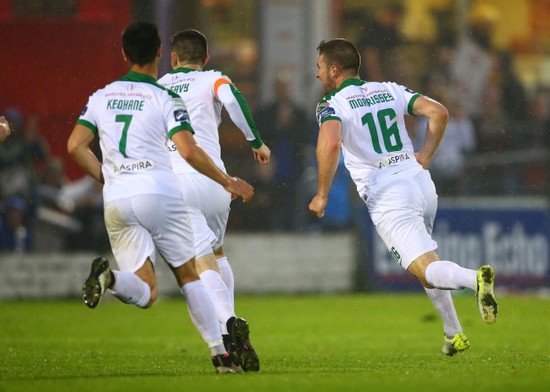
column 447, row 275
column 219, row 294
column 226, row 272
column 130, row 289
column 443, row 303
column 203, row 315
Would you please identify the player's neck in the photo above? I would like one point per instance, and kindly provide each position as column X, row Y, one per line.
column 342, row 78
column 196, row 67
column 147, row 69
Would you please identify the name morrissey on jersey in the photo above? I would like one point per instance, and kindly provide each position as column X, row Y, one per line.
column 355, row 103
column 125, row 104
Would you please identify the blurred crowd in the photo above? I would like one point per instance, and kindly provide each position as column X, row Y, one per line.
column 496, row 143
column 40, row 208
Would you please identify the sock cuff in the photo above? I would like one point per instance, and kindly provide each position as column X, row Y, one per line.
column 427, row 273
column 189, row 286
column 208, row 273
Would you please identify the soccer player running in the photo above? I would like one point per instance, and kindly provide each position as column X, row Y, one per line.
column 205, row 93
column 366, row 120
column 144, row 211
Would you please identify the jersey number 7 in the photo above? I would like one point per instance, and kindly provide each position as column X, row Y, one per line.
column 126, row 119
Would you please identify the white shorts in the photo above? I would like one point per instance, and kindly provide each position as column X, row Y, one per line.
column 207, row 204
column 403, row 208
column 140, row 225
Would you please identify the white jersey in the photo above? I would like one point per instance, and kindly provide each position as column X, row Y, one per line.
column 205, row 93
column 375, row 142
column 133, row 118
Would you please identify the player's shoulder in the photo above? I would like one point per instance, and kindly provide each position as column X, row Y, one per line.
column 215, row 75
column 165, row 78
column 394, row 86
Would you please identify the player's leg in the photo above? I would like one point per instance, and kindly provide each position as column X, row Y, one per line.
column 447, row 275
column 435, row 273
column 207, row 265
column 455, row 340
column 213, row 203
column 203, row 315
column 138, row 288
column 207, row 268
column 207, row 206
column 174, row 240
column 226, row 273
column 236, row 331
column 135, row 282
column 403, row 218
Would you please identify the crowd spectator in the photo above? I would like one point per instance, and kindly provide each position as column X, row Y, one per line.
column 379, row 44
column 15, row 235
column 284, row 126
column 82, row 199
column 448, row 166
column 473, row 62
column 16, row 172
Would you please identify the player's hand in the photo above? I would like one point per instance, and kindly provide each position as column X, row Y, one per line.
column 5, row 129
column 262, row 154
column 240, row 188
column 424, row 162
column 317, row 205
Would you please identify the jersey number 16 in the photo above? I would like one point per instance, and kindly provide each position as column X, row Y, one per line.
column 390, row 134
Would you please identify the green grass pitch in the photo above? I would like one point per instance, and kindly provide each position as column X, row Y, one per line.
column 364, row 342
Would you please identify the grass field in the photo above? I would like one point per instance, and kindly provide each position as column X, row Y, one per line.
column 306, row 343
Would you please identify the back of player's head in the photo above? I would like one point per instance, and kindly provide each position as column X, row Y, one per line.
column 190, row 46
column 341, row 52
column 141, row 42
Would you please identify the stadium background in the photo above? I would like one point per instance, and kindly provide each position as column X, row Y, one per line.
column 55, row 53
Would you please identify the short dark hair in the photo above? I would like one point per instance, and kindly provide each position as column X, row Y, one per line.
column 141, row 42
column 190, row 46
column 340, row 52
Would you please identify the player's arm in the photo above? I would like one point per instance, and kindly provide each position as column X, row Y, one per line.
column 328, row 155
column 239, row 112
column 79, row 150
column 437, row 116
column 199, row 160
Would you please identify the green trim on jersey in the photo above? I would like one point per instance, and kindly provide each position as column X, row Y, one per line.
column 179, row 128
column 184, row 70
column 256, row 143
column 87, row 124
column 331, row 118
column 411, row 103
column 133, row 76
column 345, row 83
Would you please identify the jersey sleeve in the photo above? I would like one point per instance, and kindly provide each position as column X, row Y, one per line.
column 176, row 115
column 410, row 97
column 87, row 117
column 325, row 111
column 238, row 110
